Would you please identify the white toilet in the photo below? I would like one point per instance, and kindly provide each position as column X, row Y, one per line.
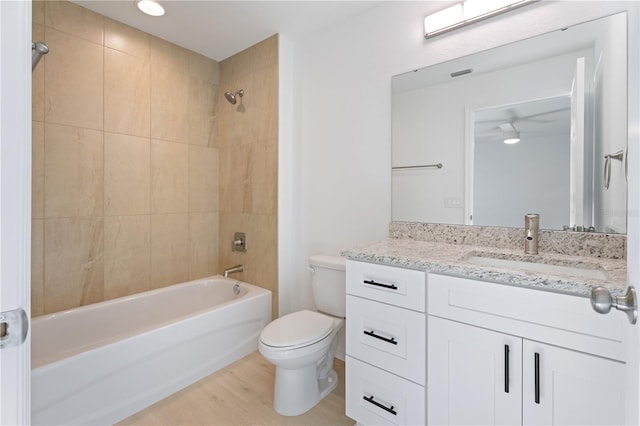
column 302, row 344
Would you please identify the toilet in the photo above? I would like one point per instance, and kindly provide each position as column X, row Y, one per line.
column 301, row 345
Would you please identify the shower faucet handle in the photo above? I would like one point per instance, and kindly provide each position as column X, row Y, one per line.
column 239, row 242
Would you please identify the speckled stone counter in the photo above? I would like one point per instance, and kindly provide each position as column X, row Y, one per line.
column 438, row 257
column 589, row 244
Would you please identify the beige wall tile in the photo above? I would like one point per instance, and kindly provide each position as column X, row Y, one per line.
column 204, row 68
column 229, row 224
column 37, row 12
column 241, row 161
column 73, row 81
column 74, row 20
column 169, row 177
column 202, row 112
column 73, row 171
column 169, row 249
column 169, row 104
column 127, row 175
column 37, row 78
column 235, row 198
column 263, row 198
column 37, row 170
column 264, row 178
column 226, row 73
column 238, row 119
column 73, row 263
column 263, row 258
column 203, row 179
column 127, row 255
column 249, row 162
column 244, row 63
column 169, row 55
column 126, row 39
column 267, row 52
column 127, row 98
column 37, row 267
column 203, row 245
column 232, row 133
column 265, row 100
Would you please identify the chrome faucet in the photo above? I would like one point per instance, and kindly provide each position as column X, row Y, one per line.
column 531, row 228
column 232, row 270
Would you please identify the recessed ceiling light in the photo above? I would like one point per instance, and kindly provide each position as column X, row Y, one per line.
column 151, row 7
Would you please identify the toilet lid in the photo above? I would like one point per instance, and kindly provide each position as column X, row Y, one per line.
column 297, row 329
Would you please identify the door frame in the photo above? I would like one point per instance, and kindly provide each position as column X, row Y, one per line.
column 632, row 394
column 15, row 201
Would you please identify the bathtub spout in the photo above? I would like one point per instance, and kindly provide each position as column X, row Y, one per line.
column 232, row 270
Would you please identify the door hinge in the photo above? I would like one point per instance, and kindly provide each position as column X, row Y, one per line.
column 14, row 326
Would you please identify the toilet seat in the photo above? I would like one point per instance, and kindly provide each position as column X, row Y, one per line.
column 298, row 329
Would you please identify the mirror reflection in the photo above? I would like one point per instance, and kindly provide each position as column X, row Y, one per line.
column 562, row 95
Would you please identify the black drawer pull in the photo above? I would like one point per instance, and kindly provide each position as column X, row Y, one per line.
column 377, row 404
column 386, row 339
column 506, row 368
column 536, row 366
column 372, row 282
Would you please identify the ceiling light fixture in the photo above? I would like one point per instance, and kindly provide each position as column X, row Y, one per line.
column 511, row 137
column 467, row 12
column 150, row 7
column 510, row 134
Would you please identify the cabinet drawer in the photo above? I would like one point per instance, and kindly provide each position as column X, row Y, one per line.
column 388, row 284
column 387, row 336
column 559, row 319
column 376, row 397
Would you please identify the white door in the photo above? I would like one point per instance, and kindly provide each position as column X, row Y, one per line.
column 476, row 374
column 15, row 205
column 565, row 387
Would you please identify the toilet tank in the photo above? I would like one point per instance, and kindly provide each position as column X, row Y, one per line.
column 328, row 283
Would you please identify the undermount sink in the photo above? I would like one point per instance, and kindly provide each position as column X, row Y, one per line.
column 534, row 264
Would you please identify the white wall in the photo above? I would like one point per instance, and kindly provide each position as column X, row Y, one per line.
column 342, row 113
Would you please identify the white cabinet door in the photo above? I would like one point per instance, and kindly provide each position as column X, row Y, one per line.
column 573, row 388
column 467, row 375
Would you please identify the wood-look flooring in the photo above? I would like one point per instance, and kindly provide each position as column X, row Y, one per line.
column 240, row 394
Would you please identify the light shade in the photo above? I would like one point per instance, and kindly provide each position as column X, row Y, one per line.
column 467, row 12
column 511, row 137
column 151, row 7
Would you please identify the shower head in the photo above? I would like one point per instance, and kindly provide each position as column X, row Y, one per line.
column 232, row 97
column 38, row 49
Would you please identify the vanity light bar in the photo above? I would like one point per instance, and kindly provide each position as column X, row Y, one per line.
column 467, row 12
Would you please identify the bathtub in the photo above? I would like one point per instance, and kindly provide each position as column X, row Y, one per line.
column 99, row 364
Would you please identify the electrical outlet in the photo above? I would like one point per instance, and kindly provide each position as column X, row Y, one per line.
column 452, row 202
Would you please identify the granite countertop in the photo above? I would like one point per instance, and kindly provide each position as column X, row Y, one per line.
column 450, row 259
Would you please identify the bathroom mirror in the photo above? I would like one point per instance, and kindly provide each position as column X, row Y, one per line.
column 563, row 94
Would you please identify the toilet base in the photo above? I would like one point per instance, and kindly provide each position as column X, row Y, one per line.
column 297, row 391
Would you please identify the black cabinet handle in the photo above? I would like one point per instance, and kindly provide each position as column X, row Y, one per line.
column 377, row 404
column 372, row 282
column 536, row 365
column 506, row 368
column 371, row 333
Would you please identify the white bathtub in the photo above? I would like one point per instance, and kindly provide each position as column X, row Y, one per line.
column 101, row 363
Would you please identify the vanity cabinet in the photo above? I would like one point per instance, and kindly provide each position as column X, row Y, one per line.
column 506, row 355
column 385, row 344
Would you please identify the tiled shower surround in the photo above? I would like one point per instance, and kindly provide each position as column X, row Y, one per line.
column 132, row 161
